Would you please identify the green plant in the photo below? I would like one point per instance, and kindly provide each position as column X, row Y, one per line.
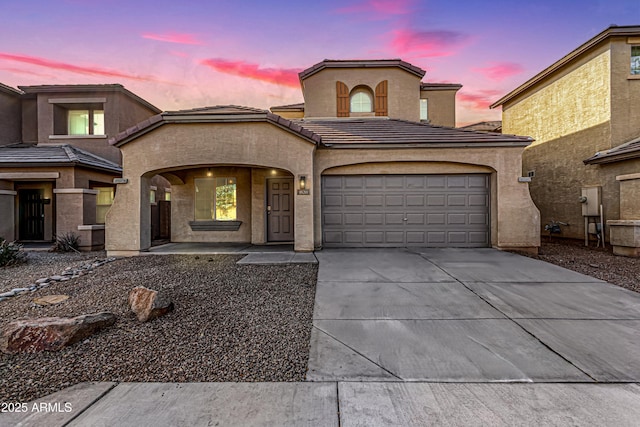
column 11, row 253
column 66, row 243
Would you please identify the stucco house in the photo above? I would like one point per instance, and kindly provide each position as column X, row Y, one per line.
column 56, row 165
column 582, row 112
column 371, row 159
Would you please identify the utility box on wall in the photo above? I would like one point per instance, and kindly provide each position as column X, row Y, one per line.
column 592, row 197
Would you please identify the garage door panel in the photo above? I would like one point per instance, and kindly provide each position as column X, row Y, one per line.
column 351, row 200
column 406, row 210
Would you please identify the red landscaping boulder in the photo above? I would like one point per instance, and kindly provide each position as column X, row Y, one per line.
column 51, row 333
column 148, row 304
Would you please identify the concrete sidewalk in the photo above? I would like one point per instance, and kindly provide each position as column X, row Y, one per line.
column 335, row 404
column 422, row 337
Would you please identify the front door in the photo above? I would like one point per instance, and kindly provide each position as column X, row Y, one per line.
column 31, row 214
column 280, row 210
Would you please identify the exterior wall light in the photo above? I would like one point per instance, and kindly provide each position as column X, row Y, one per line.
column 303, row 182
column 209, row 173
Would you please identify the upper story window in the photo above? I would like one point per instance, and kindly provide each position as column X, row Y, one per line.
column 424, row 110
column 85, row 122
column 635, row 60
column 361, row 101
column 78, row 117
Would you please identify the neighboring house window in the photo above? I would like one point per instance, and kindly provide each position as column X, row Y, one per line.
column 424, row 110
column 635, row 60
column 215, row 199
column 85, row 122
column 104, row 201
column 361, row 101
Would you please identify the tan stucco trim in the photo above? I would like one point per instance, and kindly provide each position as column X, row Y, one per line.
column 77, row 100
column 74, row 191
column 91, row 227
column 29, row 175
column 8, row 193
column 628, row 177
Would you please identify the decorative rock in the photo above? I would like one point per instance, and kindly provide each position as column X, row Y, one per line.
column 51, row 333
column 7, row 294
column 148, row 304
column 43, row 285
column 64, row 279
column 56, row 278
column 51, row 299
column 43, row 280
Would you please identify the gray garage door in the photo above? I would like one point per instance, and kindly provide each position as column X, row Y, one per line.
column 405, row 210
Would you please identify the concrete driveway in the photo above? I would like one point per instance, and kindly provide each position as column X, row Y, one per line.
column 468, row 315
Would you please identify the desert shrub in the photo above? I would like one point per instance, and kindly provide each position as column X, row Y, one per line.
column 11, row 253
column 67, row 242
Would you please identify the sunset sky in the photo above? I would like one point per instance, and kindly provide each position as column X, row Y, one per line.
column 186, row 54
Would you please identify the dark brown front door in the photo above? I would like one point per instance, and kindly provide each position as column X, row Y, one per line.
column 280, row 210
column 31, row 214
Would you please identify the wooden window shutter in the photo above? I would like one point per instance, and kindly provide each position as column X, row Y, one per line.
column 381, row 99
column 342, row 99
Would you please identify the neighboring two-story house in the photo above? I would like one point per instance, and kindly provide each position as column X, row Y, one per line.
column 583, row 113
column 371, row 159
column 56, row 165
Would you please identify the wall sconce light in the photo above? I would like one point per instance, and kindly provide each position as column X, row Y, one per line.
column 303, row 182
column 209, row 173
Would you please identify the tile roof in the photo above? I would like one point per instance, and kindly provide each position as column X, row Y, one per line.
column 289, row 107
column 361, row 63
column 440, row 86
column 628, row 150
column 613, row 30
column 489, row 126
column 374, row 131
column 10, row 90
column 25, row 155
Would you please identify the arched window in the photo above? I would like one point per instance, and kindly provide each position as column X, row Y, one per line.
column 361, row 101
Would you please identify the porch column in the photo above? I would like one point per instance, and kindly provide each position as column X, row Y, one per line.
column 303, row 212
column 624, row 233
column 128, row 221
column 7, row 210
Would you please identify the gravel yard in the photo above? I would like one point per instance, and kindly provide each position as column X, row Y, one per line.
column 595, row 262
column 231, row 322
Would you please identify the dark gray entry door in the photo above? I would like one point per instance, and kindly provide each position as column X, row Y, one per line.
column 405, row 210
column 31, row 214
column 280, row 210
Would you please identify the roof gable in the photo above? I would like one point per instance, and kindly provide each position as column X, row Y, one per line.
column 214, row 114
column 361, row 63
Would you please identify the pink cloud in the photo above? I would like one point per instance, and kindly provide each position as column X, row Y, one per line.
column 500, row 70
column 279, row 76
column 479, row 100
column 94, row 71
column 179, row 54
column 180, row 38
column 27, row 72
column 379, row 7
column 427, row 43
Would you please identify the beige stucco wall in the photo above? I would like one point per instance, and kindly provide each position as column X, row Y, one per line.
column 10, row 118
column 578, row 99
column 441, row 106
column 625, row 94
column 8, row 199
column 585, row 107
column 403, row 90
column 514, row 217
column 289, row 114
column 120, row 113
column 176, row 147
